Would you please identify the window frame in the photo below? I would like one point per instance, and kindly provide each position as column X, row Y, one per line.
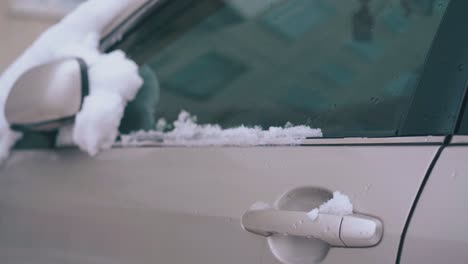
column 444, row 75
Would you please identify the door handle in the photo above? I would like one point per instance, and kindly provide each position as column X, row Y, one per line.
column 354, row 230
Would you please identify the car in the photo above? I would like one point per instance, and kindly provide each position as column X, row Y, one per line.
column 385, row 82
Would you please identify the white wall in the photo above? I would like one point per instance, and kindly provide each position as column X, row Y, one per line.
column 17, row 33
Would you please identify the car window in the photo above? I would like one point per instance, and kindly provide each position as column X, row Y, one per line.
column 347, row 67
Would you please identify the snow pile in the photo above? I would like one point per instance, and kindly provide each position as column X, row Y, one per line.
column 187, row 132
column 114, row 79
column 339, row 205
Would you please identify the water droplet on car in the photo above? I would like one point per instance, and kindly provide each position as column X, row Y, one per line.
column 461, row 67
column 454, row 175
column 368, row 186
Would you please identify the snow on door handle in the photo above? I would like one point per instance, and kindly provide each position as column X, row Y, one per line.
column 338, row 231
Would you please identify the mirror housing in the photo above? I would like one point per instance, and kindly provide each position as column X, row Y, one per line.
column 48, row 96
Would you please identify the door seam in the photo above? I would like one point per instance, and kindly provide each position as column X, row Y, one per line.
column 418, row 196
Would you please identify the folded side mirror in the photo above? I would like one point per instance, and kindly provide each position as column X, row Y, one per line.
column 48, row 96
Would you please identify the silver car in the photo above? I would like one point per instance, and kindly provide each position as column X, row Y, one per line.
column 384, row 80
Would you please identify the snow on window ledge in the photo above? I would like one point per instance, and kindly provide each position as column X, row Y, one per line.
column 186, row 132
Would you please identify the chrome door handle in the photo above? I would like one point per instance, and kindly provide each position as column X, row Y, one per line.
column 339, row 231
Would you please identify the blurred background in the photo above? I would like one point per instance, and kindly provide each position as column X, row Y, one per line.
column 21, row 21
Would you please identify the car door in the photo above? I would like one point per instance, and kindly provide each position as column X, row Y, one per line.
column 319, row 63
column 437, row 231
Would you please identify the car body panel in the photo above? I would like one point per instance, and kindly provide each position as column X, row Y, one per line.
column 437, row 232
column 183, row 205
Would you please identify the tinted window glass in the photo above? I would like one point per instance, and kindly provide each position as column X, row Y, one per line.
column 348, row 67
column 36, row 140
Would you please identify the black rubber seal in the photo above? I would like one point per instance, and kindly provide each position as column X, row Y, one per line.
column 84, row 80
column 427, row 175
column 65, row 120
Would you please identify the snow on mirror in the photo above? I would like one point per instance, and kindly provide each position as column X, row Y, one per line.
column 96, row 125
